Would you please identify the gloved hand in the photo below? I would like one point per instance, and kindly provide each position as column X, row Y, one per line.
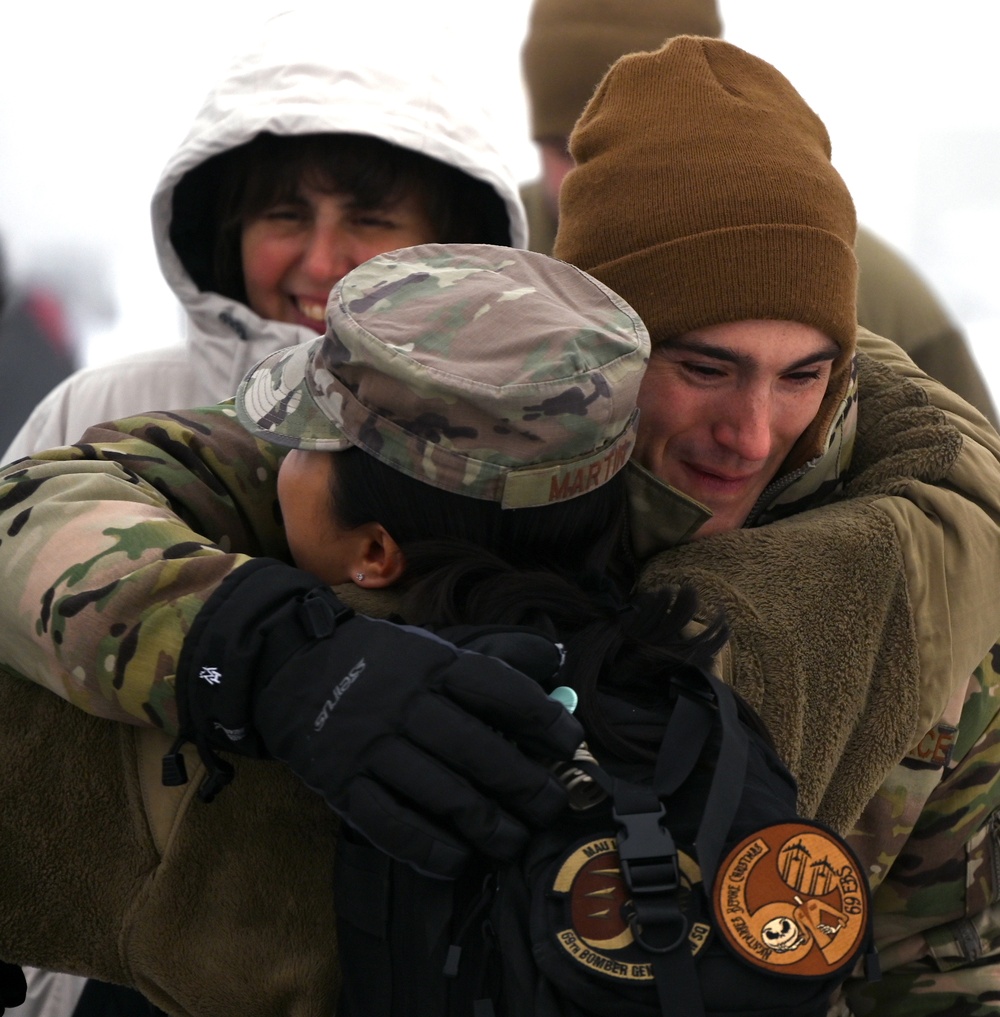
column 410, row 739
column 13, row 987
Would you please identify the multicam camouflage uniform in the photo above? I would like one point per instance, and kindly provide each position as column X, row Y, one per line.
column 937, row 878
column 110, row 547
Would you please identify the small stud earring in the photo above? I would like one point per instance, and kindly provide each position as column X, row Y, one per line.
column 359, row 576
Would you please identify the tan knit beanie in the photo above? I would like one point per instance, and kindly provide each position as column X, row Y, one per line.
column 571, row 44
column 704, row 193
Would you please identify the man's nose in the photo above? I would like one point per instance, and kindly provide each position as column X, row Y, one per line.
column 745, row 426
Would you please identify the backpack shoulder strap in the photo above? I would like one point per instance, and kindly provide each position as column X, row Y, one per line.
column 646, row 848
column 716, row 703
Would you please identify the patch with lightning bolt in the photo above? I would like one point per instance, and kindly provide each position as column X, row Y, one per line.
column 595, row 910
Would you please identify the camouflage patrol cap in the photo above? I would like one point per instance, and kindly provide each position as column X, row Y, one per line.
column 487, row 371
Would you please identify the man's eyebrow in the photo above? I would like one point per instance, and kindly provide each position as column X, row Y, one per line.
column 701, row 347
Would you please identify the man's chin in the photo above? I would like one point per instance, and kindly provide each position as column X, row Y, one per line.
column 724, row 520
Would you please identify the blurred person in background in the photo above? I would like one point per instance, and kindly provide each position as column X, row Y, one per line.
column 568, row 49
column 315, row 152
column 37, row 348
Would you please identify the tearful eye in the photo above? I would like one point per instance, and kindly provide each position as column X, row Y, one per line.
column 703, row 370
column 803, row 376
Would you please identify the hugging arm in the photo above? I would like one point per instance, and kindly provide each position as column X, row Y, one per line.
column 153, row 550
column 111, row 547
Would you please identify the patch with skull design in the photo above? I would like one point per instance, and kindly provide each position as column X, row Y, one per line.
column 791, row 899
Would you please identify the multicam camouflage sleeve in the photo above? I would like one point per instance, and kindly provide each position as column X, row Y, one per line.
column 936, row 876
column 109, row 548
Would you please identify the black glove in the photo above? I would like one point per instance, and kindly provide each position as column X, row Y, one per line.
column 13, row 987
column 395, row 727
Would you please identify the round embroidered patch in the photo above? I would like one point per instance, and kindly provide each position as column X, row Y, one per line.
column 790, row 899
column 595, row 930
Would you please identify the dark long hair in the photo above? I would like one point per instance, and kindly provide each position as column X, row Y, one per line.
column 216, row 199
column 552, row 568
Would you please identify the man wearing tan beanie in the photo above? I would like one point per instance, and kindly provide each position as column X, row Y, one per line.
column 854, row 535
column 569, row 47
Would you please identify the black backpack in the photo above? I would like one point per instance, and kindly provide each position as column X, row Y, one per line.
column 688, row 887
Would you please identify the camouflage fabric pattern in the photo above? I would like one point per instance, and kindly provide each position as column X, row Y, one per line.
column 486, row 371
column 936, row 882
column 105, row 632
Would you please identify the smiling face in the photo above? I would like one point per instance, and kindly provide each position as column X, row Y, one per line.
column 296, row 250
column 722, row 406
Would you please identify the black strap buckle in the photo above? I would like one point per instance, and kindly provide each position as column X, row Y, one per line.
column 647, row 851
column 651, row 870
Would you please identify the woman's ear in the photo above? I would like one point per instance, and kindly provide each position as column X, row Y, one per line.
column 379, row 561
